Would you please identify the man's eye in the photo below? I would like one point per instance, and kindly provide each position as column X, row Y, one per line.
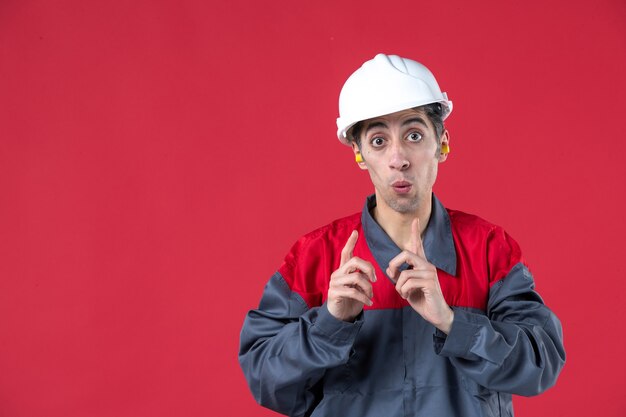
column 414, row 137
column 378, row 141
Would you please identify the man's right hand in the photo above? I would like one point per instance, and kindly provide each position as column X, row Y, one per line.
column 351, row 284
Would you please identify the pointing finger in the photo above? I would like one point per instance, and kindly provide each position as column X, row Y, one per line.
column 412, row 246
column 416, row 240
column 346, row 252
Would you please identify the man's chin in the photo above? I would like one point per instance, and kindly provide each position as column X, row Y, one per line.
column 403, row 205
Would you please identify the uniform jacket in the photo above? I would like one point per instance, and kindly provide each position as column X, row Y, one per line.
column 299, row 360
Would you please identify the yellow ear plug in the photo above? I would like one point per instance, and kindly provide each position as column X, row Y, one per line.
column 445, row 149
column 358, row 157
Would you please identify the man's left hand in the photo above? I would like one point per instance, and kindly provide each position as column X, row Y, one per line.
column 419, row 284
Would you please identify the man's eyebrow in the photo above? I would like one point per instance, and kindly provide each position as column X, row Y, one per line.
column 407, row 122
column 375, row 125
column 414, row 120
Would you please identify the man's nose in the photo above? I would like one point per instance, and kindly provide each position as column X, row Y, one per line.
column 398, row 156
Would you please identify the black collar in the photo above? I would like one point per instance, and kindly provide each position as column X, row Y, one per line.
column 438, row 242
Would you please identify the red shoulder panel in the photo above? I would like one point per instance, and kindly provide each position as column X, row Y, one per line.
column 311, row 260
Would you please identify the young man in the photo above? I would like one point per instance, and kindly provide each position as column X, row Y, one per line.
column 408, row 308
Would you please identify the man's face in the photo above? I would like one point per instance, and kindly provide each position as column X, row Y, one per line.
column 400, row 151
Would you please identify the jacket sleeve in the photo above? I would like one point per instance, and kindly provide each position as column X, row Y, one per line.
column 517, row 346
column 285, row 348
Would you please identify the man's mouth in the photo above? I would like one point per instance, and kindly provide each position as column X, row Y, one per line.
column 401, row 187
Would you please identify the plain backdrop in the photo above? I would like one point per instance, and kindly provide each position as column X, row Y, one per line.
column 159, row 158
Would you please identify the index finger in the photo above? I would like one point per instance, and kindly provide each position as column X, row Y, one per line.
column 415, row 245
column 348, row 249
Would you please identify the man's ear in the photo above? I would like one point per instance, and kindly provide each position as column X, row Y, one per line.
column 445, row 146
column 357, row 154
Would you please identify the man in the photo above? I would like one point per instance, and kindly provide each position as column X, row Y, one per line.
column 408, row 308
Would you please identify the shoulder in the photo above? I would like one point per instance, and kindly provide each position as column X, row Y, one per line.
column 463, row 221
column 337, row 229
column 307, row 267
column 489, row 243
column 320, row 250
column 470, row 226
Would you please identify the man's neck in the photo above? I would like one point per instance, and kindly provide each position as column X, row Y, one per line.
column 398, row 225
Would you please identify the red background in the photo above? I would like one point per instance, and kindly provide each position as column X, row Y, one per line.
column 158, row 159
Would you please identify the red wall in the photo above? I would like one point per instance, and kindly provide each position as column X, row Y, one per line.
column 158, row 158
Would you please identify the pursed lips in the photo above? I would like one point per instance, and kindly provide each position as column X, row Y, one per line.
column 401, row 186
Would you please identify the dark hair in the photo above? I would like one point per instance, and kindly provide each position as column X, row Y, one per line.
column 433, row 111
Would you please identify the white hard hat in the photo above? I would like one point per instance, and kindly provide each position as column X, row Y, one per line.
column 384, row 85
